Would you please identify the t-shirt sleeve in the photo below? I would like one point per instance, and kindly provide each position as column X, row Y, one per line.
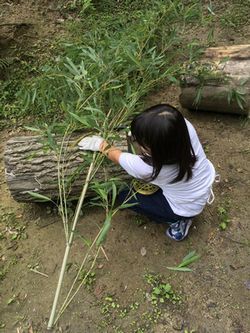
column 135, row 166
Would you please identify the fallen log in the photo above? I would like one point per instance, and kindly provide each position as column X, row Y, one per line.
column 219, row 82
column 31, row 165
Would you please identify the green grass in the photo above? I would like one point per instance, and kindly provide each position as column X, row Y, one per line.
column 144, row 310
column 161, row 292
column 223, row 213
column 129, row 46
column 12, row 230
column 236, row 15
column 32, row 90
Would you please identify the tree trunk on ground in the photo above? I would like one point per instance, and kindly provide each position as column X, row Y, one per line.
column 220, row 81
column 30, row 165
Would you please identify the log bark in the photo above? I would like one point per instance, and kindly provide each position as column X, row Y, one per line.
column 30, row 165
column 219, row 82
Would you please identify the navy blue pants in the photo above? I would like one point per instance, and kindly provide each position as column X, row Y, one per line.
column 155, row 206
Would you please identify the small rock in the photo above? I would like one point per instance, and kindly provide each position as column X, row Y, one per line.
column 48, row 210
column 160, row 328
column 177, row 323
column 211, row 304
column 148, row 297
column 123, row 287
column 99, row 289
column 143, row 251
column 60, row 20
column 247, row 284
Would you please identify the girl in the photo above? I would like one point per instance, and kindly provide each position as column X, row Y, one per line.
column 171, row 158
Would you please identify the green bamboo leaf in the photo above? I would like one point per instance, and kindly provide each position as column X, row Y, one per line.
column 173, row 79
column 128, row 205
column 80, row 119
column 114, row 194
column 180, row 269
column 198, row 96
column 91, row 53
column 189, row 255
column 116, row 87
column 133, row 58
column 71, row 67
column 86, row 241
column 33, row 129
column 103, row 235
column 38, row 196
column 51, row 140
column 243, row 81
column 101, row 193
column 90, row 108
column 26, row 100
column 189, row 261
column 33, row 96
column 229, row 97
column 239, row 100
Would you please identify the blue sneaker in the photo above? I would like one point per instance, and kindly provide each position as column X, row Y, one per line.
column 179, row 230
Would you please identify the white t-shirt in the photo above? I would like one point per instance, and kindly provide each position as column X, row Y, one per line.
column 186, row 198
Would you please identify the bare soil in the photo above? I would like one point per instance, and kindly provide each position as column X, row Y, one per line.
column 214, row 296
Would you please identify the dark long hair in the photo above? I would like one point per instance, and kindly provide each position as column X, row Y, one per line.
column 163, row 131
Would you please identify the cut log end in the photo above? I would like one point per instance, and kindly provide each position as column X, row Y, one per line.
column 225, row 87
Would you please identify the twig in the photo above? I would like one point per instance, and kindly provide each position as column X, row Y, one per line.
column 105, row 255
column 46, row 225
column 31, row 329
column 16, row 24
column 236, row 241
column 37, row 272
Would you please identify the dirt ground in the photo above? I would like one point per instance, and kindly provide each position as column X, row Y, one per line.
column 214, row 296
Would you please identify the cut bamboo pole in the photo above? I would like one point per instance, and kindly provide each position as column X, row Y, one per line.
column 69, row 243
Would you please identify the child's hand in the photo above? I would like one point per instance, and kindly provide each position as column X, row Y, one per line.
column 93, row 143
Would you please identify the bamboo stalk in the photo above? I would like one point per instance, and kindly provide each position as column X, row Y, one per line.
column 61, row 187
column 69, row 243
column 69, row 300
column 63, row 307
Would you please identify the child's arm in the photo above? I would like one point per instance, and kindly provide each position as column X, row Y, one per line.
column 97, row 143
column 113, row 153
column 133, row 164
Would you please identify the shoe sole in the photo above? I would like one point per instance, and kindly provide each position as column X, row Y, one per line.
column 189, row 223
